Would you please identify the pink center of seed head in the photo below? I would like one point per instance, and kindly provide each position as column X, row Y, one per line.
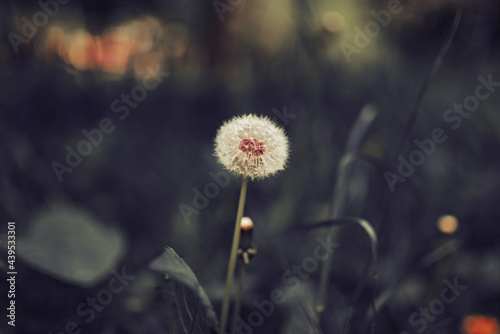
column 252, row 147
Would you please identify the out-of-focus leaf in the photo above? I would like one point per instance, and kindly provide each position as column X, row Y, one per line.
column 71, row 245
column 170, row 264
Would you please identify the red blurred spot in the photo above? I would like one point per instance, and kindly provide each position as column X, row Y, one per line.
column 475, row 324
column 112, row 52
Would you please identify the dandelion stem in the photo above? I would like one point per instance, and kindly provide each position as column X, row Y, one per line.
column 237, row 306
column 232, row 258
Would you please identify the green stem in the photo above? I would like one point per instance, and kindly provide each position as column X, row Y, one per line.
column 232, row 258
column 237, row 306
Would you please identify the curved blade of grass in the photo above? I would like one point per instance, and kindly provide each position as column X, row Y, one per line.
column 369, row 270
column 416, row 107
column 358, row 133
column 367, row 227
column 310, row 315
column 426, row 261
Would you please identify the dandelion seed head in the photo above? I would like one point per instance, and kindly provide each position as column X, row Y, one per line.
column 251, row 146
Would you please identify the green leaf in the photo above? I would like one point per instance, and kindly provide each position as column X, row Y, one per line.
column 171, row 265
column 71, row 245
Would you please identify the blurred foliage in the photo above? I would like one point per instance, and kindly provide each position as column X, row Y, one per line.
column 269, row 58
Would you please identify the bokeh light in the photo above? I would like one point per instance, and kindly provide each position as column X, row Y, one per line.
column 333, row 21
column 447, row 224
column 477, row 324
column 134, row 45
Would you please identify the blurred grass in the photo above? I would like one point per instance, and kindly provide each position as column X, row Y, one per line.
column 262, row 56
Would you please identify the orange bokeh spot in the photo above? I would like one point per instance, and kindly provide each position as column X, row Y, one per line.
column 475, row 324
column 80, row 50
column 132, row 45
column 448, row 224
column 55, row 41
column 113, row 52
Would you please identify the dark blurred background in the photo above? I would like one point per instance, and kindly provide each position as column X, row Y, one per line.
column 70, row 67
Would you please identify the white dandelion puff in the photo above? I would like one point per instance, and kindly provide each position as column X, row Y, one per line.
column 252, row 146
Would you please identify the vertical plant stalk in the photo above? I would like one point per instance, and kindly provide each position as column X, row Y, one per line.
column 403, row 141
column 237, row 306
column 354, row 143
column 233, row 257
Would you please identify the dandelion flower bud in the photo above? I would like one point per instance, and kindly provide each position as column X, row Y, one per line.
column 246, row 223
column 252, row 146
